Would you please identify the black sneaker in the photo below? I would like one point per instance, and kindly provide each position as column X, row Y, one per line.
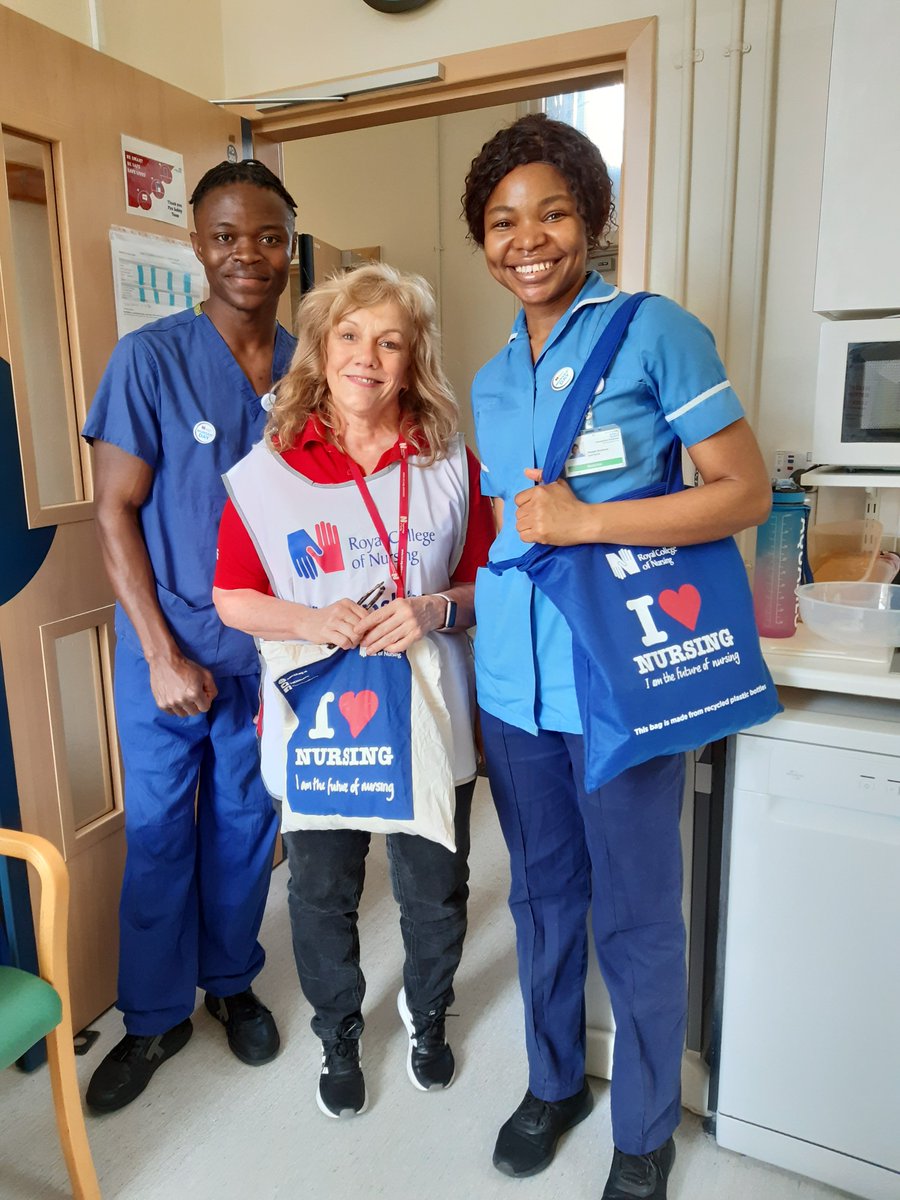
column 639, row 1176
column 429, row 1061
column 527, row 1142
column 252, row 1033
column 342, row 1089
column 129, row 1066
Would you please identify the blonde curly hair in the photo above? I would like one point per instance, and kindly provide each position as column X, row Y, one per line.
column 429, row 414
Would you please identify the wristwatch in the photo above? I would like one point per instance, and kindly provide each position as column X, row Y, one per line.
column 449, row 615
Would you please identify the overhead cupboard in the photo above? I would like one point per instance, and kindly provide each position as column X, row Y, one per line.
column 858, row 259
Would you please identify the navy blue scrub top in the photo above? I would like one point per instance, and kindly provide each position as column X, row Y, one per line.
column 174, row 396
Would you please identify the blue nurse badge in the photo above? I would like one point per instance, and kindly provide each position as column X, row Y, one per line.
column 562, row 379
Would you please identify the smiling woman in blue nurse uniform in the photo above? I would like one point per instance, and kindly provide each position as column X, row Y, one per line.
column 537, row 199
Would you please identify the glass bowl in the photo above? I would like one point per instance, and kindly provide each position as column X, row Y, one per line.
column 852, row 614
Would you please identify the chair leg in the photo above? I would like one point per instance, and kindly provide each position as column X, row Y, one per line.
column 70, row 1115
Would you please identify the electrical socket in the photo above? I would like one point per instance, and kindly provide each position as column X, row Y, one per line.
column 789, row 461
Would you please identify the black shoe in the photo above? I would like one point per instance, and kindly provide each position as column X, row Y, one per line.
column 129, row 1066
column 639, row 1176
column 252, row 1034
column 429, row 1061
column 342, row 1089
column 527, row 1142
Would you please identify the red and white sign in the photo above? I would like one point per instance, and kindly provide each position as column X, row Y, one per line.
column 154, row 182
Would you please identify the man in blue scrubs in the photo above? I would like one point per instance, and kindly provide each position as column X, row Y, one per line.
column 181, row 401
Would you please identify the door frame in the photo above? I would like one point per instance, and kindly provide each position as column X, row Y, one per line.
column 502, row 75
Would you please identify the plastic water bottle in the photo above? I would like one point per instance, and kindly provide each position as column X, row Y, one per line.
column 780, row 553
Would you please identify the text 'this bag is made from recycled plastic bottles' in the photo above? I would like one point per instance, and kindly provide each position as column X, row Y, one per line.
column 665, row 646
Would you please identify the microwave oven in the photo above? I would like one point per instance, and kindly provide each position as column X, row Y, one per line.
column 857, row 420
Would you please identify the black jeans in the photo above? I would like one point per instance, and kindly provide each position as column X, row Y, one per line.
column 328, row 868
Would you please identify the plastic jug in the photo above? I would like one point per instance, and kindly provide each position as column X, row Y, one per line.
column 780, row 559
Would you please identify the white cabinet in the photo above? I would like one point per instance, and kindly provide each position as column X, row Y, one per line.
column 858, row 264
column 809, row 1064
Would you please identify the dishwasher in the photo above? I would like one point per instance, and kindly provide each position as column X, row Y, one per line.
column 808, row 1063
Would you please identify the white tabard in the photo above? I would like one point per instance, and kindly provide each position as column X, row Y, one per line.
column 286, row 514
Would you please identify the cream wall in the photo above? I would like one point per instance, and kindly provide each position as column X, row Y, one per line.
column 71, row 17
column 398, row 187
column 752, row 280
column 180, row 43
column 768, row 262
column 173, row 40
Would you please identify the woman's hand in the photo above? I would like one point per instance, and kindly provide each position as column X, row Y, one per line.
column 549, row 514
column 335, row 625
column 397, row 625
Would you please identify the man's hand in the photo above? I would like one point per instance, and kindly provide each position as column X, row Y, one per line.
column 181, row 687
column 548, row 514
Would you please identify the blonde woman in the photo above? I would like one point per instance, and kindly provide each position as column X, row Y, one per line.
column 363, row 480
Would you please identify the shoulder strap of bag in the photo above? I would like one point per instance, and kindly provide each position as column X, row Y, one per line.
column 571, row 418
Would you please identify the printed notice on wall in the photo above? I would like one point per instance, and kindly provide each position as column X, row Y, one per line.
column 153, row 277
column 154, row 182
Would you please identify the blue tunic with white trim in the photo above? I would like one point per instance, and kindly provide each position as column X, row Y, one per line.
column 666, row 380
column 174, row 396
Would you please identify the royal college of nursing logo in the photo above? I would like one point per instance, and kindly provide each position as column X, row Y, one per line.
column 310, row 555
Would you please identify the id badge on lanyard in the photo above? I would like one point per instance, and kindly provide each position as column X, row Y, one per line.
column 597, row 448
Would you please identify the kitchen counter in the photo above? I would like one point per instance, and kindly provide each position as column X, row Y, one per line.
column 807, row 661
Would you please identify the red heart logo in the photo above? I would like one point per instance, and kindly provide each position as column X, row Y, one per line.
column 358, row 709
column 683, row 605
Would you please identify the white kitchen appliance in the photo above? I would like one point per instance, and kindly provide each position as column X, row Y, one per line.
column 857, row 422
column 809, row 1063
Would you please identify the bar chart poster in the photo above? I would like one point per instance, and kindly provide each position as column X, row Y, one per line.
column 153, row 277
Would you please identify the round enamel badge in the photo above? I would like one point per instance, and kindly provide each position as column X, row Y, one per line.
column 267, row 401
column 562, row 378
column 204, row 432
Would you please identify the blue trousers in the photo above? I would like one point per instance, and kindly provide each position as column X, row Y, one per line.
column 617, row 852
column 200, row 831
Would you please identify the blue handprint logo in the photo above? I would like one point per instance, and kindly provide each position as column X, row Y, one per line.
column 309, row 555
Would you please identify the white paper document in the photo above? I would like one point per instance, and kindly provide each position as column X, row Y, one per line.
column 153, row 277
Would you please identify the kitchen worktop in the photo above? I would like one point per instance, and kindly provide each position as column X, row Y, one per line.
column 807, row 661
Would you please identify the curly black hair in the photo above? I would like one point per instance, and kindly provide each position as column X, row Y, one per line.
column 249, row 170
column 537, row 138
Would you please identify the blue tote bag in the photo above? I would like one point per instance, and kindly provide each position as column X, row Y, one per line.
column 665, row 648
column 363, row 741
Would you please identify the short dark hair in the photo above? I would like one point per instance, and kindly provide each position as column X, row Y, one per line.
column 249, row 170
column 537, row 138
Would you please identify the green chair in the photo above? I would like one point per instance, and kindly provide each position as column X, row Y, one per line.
column 33, row 1007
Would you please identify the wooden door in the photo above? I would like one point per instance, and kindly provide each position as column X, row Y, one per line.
column 63, row 111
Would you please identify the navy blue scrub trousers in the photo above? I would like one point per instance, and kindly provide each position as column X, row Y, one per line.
column 617, row 853
column 200, row 833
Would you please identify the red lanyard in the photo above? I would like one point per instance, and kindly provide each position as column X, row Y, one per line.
column 397, row 568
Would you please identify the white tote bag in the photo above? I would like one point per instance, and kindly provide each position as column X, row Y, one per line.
column 359, row 741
